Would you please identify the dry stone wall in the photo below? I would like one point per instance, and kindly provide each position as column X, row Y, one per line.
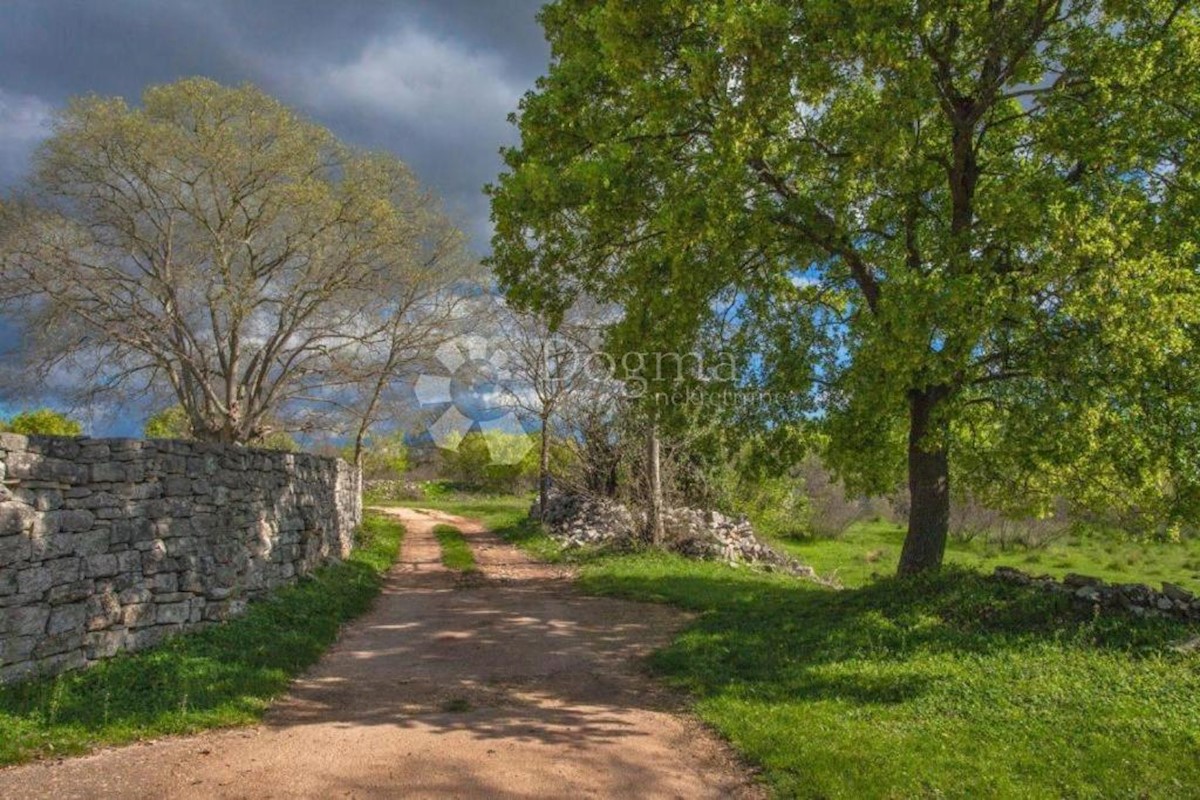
column 1137, row 599
column 113, row 544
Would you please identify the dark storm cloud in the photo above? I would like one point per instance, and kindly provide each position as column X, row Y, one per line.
column 430, row 81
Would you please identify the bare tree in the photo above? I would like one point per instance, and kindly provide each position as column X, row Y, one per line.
column 402, row 332
column 592, row 421
column 214, row 242
column 545, row 366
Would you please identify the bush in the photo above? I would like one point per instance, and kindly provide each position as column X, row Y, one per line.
column 43, row 422
column 830, row 510
column 969, row 519
column 277, row 440
column 170, row 423
column 173, row 423
column 384, row 458
column 478, row 461
column 776, row 506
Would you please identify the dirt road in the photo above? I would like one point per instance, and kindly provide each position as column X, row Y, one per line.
column 505, row 685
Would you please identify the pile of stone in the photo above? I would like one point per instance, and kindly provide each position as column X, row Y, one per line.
column 714, row 536
column 576, row 520
column 1137, row 599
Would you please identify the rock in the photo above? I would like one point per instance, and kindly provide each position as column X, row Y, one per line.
column 1176, row 592
column 27, row 621
column 75, row 521
column 104, row 644
column 15, row 518
column 108, row 472
column 102, row 566
column 34, row 580
column 67, row 618
column 1137, row 599
column 1012, row 575
column 138, row 615
column 1191, row 645
column 172, row 614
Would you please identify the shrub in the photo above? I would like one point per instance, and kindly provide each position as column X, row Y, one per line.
column 830, row 510
column 44, row 422
column 170, row 423
column 480, row 461
column 173, row 423
column 775, row 506
column 970, row 519
column 384, row 458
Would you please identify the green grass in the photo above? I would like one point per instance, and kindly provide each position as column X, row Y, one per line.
column 944, row 686
column 873, row 548
column 222, row 676
column 456, row 553
column 951, row 686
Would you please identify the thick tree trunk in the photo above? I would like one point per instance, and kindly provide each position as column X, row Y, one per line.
column 928, row 484
column 543, row 470
column 654, row 513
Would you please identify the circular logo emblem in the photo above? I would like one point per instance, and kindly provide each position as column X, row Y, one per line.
column 473, row 391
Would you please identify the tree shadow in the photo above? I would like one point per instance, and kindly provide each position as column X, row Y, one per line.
column 522, row 659
column 784, row 640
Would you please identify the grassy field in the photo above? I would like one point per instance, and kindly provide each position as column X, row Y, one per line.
column 950, row 686
column 456, row 553
column 222, row 676
column 873, row 548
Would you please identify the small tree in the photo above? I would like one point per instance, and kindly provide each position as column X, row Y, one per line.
column 492, row 460
column 545, row 367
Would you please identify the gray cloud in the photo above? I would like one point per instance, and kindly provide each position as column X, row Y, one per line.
column 431, row 81
column 24, row 121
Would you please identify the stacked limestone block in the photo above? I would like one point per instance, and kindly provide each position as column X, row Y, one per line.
column 114, row 544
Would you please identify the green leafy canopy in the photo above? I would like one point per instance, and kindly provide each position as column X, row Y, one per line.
column 990, row 202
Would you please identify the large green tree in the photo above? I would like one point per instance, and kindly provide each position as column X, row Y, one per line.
column 961, row 233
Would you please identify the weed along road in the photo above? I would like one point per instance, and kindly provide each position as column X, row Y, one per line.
column 494, row 681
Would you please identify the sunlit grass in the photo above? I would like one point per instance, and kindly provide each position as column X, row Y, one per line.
column 456, row 553
column 873, row 549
